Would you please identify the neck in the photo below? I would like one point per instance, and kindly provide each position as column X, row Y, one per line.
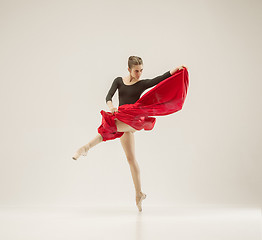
column 131, row 78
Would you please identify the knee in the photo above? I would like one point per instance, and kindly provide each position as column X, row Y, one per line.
column 100, row 137
column 131, row 159
column 129, row 134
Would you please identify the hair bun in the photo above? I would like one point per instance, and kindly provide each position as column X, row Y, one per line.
column 134, row 60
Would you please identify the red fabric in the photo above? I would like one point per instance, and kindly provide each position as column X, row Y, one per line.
column 165, row 98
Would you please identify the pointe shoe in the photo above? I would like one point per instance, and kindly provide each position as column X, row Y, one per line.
column 139, row 201
column 81, row 152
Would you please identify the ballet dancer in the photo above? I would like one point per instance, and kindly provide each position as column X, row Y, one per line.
column 130, row 89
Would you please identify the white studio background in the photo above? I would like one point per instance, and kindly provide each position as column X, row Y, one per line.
column 58, row 60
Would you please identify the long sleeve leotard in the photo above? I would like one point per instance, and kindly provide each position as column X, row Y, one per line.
column 129, row 94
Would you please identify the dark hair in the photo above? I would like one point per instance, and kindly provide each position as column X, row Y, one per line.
column 134, row 60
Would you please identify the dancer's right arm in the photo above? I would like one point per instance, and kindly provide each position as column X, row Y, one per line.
column 111, row 106
column 110, row 94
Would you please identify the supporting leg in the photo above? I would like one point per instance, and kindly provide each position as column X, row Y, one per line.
column 128, row 144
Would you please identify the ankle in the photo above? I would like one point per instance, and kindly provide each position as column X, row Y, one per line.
column 87, row 147
column 139, row 194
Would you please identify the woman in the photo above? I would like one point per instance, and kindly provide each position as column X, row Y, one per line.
column 130, row 89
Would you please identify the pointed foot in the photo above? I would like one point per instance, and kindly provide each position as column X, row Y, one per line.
column 139, row 200
column 81, row 152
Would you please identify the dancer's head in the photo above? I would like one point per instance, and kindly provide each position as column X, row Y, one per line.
column 135, row 67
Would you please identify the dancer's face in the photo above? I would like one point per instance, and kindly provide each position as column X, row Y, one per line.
column 136, row 71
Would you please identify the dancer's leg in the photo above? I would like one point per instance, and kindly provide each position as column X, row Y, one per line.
column 83, row 150
column 123, row 127
column 128, row 144
column 98, row 139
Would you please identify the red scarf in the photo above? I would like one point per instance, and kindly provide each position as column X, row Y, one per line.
column 165, row 98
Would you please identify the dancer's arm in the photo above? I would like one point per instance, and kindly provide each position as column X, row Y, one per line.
column 111, row 93
column 147, row 83
column 172, row 72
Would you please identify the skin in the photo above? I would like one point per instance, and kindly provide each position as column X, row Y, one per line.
column 127, row 139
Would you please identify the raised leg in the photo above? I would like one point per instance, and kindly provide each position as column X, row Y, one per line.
column 128, row 144
column 84, row 149
column 121, row 127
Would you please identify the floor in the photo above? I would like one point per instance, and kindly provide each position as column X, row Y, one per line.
column 126, row 222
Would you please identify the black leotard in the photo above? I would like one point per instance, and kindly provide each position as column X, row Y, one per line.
column 129, row 94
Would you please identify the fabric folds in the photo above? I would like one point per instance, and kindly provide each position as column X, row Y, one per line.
column 165, row 98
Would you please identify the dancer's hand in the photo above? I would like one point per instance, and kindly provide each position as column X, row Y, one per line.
column 177, row 69
column 182, row 66
column 112, row 110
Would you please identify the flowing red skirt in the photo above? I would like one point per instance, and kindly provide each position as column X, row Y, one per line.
column 165, row 98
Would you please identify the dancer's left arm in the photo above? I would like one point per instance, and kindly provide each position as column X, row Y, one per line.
column 147, row 83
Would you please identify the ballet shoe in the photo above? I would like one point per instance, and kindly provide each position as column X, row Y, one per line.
column 139, row 201
column 81, row 152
